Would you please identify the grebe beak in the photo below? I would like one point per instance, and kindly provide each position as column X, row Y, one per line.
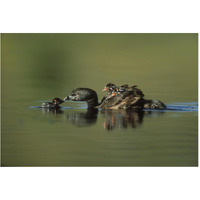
column 105, row 89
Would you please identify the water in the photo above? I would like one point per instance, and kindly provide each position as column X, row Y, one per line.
column 39, row 67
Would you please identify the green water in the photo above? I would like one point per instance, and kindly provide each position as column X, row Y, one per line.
column 39, row 67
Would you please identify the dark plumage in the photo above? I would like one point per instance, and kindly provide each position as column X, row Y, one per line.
column 131, row 98
column 54, row 104
column 109, row 87
column 84, row 94
column 123, row 88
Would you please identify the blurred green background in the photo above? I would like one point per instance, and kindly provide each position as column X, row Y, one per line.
column 155, row 62
column 39, row 67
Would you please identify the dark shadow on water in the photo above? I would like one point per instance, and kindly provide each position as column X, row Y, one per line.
column 52, row 110
column 115, row 119
column 123, row 119
column 112, row 119
column 81, row 119
column 48, row 110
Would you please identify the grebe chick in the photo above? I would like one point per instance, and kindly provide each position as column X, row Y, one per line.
column 54, row 104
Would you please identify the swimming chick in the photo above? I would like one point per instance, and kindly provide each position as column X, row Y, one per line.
column 54, row 104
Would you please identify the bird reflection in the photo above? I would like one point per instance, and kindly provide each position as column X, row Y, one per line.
column 121, row 119
column 52, row 110
column 112, row 119
column 81, row 119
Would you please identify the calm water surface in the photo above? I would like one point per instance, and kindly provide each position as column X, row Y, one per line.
column 39, row 67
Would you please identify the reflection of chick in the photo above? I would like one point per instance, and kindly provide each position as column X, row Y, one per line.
column 121, row 120
column 109, row 122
